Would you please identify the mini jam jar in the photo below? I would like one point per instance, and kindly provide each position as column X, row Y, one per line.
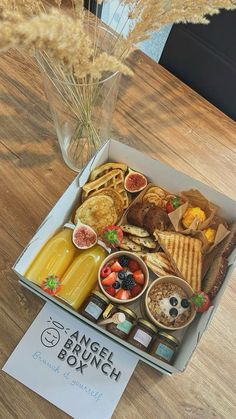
column 94, row 306
column 164, row 347
column 122, row 330
column 142, row 334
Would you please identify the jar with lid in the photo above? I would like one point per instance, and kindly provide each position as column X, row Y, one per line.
column 164, row 347
column 123, row 328
column 94, row 306
column 142, row 334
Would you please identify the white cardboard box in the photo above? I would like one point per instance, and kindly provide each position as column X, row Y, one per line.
column 158, row 173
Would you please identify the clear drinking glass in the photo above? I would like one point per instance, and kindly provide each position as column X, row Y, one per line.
column 82, row 113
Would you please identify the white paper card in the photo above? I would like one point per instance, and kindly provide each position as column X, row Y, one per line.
column 71, row 365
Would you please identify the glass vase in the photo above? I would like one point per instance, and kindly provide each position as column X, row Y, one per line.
column 82, row 112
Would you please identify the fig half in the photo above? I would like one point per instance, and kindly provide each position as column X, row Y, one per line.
column 84, row 236
column 135, row 182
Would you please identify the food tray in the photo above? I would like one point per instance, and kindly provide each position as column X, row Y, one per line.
column 160, row 174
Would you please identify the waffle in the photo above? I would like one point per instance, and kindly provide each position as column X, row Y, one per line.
column 159, row 263
column 113, row 179
column 185, row 256
column 105, row 168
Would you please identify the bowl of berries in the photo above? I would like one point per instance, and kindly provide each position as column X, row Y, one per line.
column 123, row 277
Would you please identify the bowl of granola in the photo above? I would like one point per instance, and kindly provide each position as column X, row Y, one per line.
column 168, row 303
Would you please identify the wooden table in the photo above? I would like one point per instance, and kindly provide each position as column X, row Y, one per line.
column 161, row 116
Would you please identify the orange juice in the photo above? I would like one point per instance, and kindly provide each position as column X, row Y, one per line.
column 81, row 277
column 54, row 257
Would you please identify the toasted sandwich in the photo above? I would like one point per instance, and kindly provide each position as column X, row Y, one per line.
column 159, row 263
column 185, row 256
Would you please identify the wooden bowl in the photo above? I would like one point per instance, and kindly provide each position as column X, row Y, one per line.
column 185, row 287
column 143, row 267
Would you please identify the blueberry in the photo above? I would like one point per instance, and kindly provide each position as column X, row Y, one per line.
column 122, row 275
column 116, row 285
column 123, row 260
column 173, row 301
column 184, row 303
column 173, row 312
column 130, row 277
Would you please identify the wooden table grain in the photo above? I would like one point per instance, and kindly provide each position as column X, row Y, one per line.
column 155, row 113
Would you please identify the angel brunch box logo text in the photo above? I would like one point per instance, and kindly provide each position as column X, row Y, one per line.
column 77, row 351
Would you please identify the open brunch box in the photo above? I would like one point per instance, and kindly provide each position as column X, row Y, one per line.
column 157, row 173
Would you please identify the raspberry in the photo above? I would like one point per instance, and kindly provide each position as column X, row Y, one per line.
column 135, row 291
column 133, row 266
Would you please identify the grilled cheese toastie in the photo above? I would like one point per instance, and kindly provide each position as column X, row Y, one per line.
column 185, row 255
column 159, row 263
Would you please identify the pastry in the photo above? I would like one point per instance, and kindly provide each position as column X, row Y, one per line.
column 156, row 218
column 210, row 234
column 215, row 276
column 97, row 212
column 184, row 253
column 105, row 168
column 155, row 199
column 158, row 191
column 191, row 214
column 156, row 196
column 134, row 230
column 230, row 241
column 117, row 198
column 144, row 241
column 159, row 263
column 137, row 212
column 129, row 245
column 113, row 179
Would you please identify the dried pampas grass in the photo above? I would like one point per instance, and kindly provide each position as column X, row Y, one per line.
column 80, row 58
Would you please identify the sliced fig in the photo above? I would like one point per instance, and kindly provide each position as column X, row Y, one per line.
column 84, row 236
column 135, row 181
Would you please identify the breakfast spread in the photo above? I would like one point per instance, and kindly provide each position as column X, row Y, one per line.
column 127, row 236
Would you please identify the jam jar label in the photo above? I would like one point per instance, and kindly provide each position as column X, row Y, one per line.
column 142, row 338
column 164, row 352
column 93, row 310
column 124, row 326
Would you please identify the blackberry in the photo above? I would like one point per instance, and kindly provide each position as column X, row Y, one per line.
column 123, row 260
column 128, row 283
column 122, row 275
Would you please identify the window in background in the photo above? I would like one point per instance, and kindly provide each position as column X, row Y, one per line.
column 116, row 17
